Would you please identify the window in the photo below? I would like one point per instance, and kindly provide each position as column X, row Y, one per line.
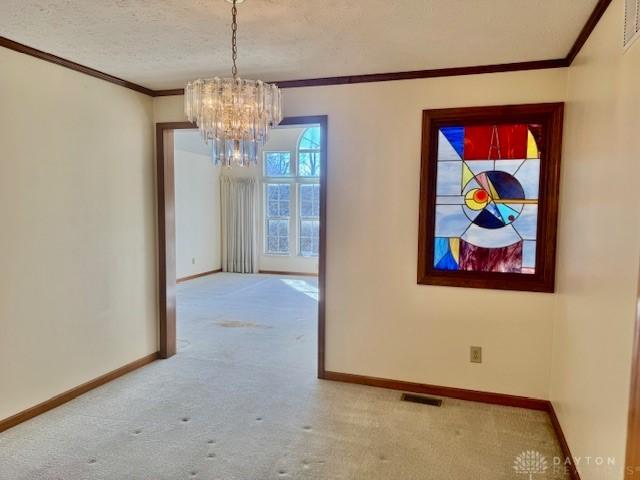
column 309, row 153
column 292, row 194
column 309, row 219
column 278, row 200
column 277, row 164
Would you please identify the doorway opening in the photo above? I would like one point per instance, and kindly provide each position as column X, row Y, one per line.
column 290, row 236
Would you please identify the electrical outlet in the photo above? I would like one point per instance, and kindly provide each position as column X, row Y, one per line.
column 193, row 261
column 476, row 355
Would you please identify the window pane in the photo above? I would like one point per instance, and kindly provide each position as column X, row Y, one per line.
column 309, row 237
column 272, row 244
column 277, row 213
column 284, row 192
column 316, row 200
column 306, row 200
column 272, row 192
column 306, row 209
column 310, row 139
column 273, row 209
column 277, row 164
column 272, row 228
column 306, row 193
column 283, row 228
column 306, row 229
column 278, row 200
column 278, row 236
column 309, row 164
column 306, row 246
column 310, row 200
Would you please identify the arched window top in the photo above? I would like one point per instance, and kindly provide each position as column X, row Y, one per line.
column 310, row 139
column 309, row 153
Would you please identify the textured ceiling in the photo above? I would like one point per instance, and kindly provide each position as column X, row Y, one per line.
column 162, row 43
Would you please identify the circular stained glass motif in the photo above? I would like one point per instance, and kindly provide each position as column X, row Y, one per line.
column 496, row 199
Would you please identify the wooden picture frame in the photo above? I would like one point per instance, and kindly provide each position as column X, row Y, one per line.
column 473, row 132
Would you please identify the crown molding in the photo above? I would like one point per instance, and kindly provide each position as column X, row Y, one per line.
column 63, row 62
column 586, row 31
column 409, row 75
column 588, row 28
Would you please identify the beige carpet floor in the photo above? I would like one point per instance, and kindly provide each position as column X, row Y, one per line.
column 240, row 401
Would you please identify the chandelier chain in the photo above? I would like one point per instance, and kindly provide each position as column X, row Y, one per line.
column 233, row 114
column 234, row 46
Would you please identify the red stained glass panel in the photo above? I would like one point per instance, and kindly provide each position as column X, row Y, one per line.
column 489, row 142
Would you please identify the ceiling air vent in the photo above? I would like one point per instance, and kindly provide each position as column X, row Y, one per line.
column 631, row 22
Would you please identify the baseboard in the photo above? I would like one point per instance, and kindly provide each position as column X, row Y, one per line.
column 564, row 446
column 469, row 395
column 198, row 275
column 74, row 392
column 275, row 272
column 459, row 393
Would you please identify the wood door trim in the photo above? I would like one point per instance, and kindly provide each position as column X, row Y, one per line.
column 167, row 240
column 633, row 428
column 322, row 121
column 167, row 235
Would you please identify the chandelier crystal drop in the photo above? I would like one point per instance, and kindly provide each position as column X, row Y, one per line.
column 232, row 113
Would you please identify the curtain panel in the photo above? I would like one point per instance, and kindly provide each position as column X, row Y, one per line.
column 239, row 201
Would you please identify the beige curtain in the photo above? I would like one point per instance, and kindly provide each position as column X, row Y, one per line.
column 239, row 206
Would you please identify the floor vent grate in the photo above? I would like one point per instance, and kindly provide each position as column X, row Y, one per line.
column 410, row 397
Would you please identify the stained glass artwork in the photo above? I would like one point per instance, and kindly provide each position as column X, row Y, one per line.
column 487, row 184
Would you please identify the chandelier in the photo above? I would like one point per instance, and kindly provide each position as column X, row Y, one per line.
column 233, row 113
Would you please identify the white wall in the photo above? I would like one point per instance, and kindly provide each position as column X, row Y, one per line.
column 78, row 244
column 599, row 247
column 379, row 321
column 197, row 196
